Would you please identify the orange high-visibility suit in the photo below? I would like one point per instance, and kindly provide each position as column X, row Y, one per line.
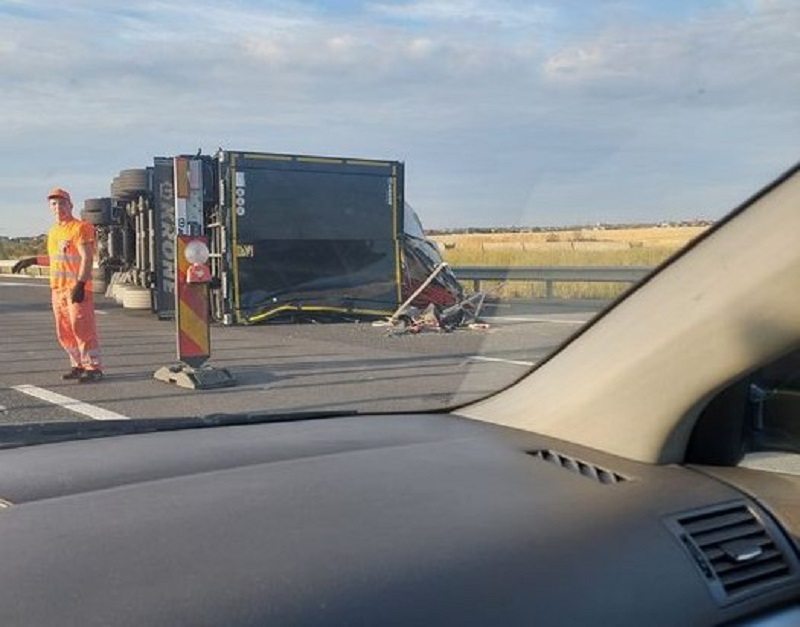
column 76, row 327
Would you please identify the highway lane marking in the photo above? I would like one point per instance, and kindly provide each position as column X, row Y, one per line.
column 92, row 411
column 531, row 319
column 9, row 284
column 505, row 361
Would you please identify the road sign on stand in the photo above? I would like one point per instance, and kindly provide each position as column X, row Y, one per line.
column 194, row 333
column 192, row 276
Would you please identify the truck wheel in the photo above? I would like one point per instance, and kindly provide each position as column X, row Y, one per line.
column 135, row 297
column 130, row 184
column 97, row 211
column 99, row 280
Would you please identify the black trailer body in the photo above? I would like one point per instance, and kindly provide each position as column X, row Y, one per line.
column 310, row 235
column 290, row 236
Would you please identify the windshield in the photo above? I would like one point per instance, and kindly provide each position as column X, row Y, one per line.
column 266, row 208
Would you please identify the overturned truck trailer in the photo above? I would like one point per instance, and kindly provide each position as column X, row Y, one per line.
column 290, row 236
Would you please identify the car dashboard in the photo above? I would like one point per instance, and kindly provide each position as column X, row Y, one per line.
column 386, row 520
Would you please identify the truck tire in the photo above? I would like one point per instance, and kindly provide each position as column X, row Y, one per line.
column 99, row 280
column 93, row 218
column 118, row 292
column 135, row 297
column 97, row 211
column 131, row 184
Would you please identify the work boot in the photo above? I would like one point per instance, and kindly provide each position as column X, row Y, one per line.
column 73, row 374
column 90, row 376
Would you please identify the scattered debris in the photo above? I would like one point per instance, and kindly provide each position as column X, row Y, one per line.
column 437, row 319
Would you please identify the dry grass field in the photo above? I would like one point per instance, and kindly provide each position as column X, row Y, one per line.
column 647, row 246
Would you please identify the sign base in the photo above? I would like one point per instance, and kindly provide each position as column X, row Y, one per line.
column 202, row 378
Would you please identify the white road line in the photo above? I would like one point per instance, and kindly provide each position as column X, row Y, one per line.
column 529, row 319
column 505, row 361
column 97, row 413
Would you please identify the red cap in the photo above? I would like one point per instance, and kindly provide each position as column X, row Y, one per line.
column 58, row 192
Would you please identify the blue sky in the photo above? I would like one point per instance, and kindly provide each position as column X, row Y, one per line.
column 505, row 113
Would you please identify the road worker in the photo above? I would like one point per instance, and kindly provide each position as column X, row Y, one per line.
column 70, row 252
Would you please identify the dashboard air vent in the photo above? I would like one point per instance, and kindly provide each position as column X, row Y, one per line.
column 601, row 475
column 738, row 551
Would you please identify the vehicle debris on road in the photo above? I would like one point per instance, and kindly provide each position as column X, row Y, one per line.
column 437, row 319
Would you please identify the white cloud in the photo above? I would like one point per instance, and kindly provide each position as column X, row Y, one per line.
column 503, row 100
column 506, row 14
column 730, row 58
column 575, row 61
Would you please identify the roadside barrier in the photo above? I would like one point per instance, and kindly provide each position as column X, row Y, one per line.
column 549, row 275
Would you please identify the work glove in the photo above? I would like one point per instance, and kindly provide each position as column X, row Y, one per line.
column 78, row 292
column 22, row 264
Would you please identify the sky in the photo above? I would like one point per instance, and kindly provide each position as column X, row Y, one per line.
column 505, row 113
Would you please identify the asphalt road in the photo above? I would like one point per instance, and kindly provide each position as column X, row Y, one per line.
column 277, row 367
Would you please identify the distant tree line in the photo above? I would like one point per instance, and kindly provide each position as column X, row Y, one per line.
column 16, row 247
column 545, row 229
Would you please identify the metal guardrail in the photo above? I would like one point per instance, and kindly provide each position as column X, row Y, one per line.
column 34, row 271
column 551, row 274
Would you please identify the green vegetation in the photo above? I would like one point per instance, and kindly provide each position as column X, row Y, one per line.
column 632, row 248
column 14, row 248
column 641, row 256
